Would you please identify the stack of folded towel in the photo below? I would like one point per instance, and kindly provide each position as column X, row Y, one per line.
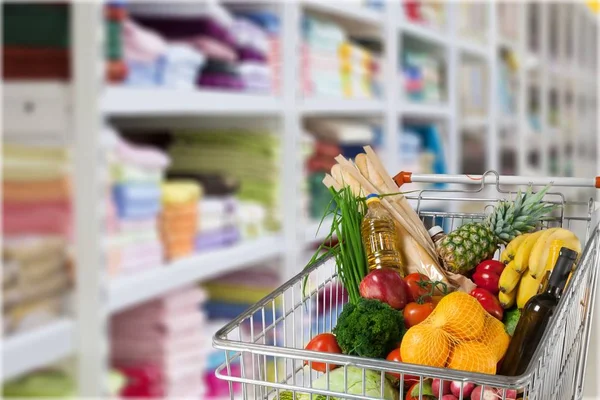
column 250, row 157
column 35, row 280
column 210, row 33
column 253, row 49
column 152, row 61
column 36, row 185
column 160, row 346
column 217, row 210
column 115, row 15
column 332, row 65
column 179, row 217
column 269, row 22
column 136, row 176
column 36, row 41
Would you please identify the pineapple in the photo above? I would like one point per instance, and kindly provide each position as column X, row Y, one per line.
column 462, row 249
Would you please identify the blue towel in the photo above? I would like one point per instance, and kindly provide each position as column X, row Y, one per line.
column 137, row 201
column 267, row 20
column 143, row 74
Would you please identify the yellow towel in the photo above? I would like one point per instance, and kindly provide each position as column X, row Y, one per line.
column 177, row 192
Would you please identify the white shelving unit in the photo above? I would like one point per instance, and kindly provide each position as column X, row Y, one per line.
column 94, row 102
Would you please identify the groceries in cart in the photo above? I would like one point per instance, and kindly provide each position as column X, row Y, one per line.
column 435, row 298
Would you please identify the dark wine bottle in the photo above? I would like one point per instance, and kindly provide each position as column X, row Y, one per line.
column 535, row 317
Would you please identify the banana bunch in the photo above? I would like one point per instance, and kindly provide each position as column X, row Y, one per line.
column 530, row 259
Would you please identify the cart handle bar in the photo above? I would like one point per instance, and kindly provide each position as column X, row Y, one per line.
column 492, row 178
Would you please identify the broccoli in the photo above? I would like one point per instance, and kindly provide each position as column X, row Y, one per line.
column 369, row 328
column 511, row 319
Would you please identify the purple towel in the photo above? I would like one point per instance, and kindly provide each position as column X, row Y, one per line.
column 185, row 28
column 250, row 54
column 221, row 81
column 216, row 239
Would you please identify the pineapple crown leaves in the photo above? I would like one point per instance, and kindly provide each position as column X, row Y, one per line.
column 511, row 219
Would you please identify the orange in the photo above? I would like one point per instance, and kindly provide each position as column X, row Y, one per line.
column 425, row 345
column 473, row 357
column 495, row 337
column 460, row 315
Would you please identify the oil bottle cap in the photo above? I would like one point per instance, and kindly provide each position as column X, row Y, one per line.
column 372, row 197
column 435, row 230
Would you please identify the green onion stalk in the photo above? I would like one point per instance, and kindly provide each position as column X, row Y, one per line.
column 348, row 252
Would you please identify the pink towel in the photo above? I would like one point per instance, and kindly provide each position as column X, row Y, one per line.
column 141, row 156
column 148, row 328
column 141, row 44
column 176, row 302
column 212, row 48
column 37, row 218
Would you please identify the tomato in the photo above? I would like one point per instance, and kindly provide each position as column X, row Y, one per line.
column 326, row 343
column 396, row 357
column 419, row 285
column 415, row 313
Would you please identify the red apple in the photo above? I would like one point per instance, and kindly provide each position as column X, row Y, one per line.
column 385, row 285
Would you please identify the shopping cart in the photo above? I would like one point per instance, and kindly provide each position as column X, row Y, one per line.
column 265, row 345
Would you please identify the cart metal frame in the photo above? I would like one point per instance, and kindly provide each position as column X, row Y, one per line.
column 267, row 341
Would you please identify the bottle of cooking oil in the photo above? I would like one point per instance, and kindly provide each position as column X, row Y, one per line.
column 379, row 237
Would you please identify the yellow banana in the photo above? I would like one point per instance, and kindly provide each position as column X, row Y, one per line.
column 528, row 287
column 511, row 249
column 535, row 267
column 571, row 241
column 524, row 251
column 509, row 279
column 507, row 300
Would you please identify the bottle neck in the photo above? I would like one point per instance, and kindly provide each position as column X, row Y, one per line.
column 554, row 291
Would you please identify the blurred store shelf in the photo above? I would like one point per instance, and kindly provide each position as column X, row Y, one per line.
column 123, row 101
column 411, row 109
column 425, row 33
column 28, row 351
column 128, row 291
column 347, row 11
column 474, row 122
column 473, row 49
column 342, row 106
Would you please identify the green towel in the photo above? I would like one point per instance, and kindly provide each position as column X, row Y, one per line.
column 36, row 25
column 41, row 384
column 114, row 43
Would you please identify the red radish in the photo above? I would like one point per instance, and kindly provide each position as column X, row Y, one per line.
column 435, row 386
column 493, row 394
column 385, row 285
column 449, row 397
column 467, row 388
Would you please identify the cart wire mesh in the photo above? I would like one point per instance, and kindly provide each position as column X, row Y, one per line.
column 264, row 346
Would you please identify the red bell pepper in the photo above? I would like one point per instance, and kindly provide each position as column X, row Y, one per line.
column 489, row 302
column 487, row 275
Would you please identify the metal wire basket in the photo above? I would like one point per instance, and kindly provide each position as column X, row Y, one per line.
column 265, row 346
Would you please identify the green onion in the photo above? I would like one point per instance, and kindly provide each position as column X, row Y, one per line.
column 349, row 253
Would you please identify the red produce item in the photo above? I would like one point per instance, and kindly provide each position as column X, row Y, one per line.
column 419, row 285
column 385, row 285
column 324, row 342
column 409, row 380
column 489, row 301
column 487, row 275
column 415, row 313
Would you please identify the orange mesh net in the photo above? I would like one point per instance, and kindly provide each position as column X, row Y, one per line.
column 459, row 334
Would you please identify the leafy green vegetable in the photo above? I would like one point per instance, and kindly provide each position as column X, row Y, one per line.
column 369, row 328
column 349, row 253
column 511, row 319
column 372, row 383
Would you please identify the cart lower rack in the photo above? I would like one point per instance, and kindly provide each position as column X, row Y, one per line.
column 265, row 355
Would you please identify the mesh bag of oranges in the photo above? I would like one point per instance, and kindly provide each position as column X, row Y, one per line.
column 459, row 334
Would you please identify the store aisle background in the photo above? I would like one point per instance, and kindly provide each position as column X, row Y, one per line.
column 157, row 154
